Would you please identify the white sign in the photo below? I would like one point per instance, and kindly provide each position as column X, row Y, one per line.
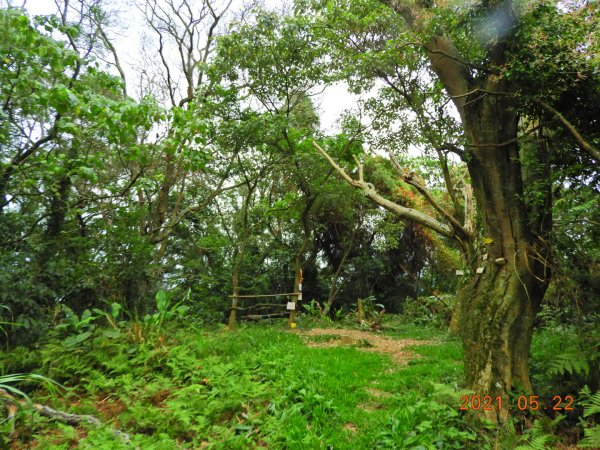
column 480, row 269
column 300, row 296
column 460, row 272
column 291, row 306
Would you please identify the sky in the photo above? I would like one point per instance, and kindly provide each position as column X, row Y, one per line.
column 331, row 103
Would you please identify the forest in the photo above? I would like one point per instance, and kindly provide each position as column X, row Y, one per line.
column 195, row 255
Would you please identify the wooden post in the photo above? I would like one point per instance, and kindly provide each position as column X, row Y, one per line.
column 234, row 304
column 360, row 310
column 235, row 298
column 296, row 297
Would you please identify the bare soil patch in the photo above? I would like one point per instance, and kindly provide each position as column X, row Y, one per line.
column 362, row 340
column 350, row 427
column 371, row 406
column 378, row 393
column 109, row 407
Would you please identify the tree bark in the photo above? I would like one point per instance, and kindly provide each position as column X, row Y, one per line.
column 299, row 259
column 498, row 307
column 241, row 252
column 498, row 312
column 360, row 310
column 334, row 288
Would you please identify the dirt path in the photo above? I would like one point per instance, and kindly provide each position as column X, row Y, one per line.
column 362, row 340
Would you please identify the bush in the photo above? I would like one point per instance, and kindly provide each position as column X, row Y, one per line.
column 434, row 311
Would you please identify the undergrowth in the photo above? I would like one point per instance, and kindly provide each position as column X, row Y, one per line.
column 169, row 385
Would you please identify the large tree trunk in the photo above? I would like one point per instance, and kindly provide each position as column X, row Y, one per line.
column 498, row 313
column 500, row 304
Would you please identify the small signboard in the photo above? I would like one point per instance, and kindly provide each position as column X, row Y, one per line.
column 300, row 296
column 291, row 306
column 460, row 272
column 480, row 269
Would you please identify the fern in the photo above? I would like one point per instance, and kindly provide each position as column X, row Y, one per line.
column 536, row 443
column 592, row 438
column 592, row 405
column 571, row 361
column 541, row 434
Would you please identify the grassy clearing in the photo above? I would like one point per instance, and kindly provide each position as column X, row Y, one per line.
column 258, row 387
column 261, row 386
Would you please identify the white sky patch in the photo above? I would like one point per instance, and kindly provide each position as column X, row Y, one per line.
column 334, row 100
column 127, row 38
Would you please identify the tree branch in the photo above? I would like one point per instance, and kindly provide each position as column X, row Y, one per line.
column 398, row 210
column 113, row 50
column 593, row 151
column 410, row 179
column 450, row 187
column 583, row 143
column 61, row 416
column 443, row 56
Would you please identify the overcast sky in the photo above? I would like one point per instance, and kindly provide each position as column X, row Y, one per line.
column 331, row 103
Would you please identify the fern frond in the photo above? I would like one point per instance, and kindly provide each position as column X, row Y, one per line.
column 592, row 438
column 572, row 362
column 592, row 405
column 536, row 443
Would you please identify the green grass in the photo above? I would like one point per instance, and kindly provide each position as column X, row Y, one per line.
column 259, row 386
column 262, row 387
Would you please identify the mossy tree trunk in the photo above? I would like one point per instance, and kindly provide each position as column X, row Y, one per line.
column 498, row 307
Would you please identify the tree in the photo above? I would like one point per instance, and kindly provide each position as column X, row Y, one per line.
column 470, row 53
column 63, row 121
column 271, row 62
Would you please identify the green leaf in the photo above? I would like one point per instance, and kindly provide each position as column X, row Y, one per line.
column 89, row 174
column 162, row 300
column 115, row 309
column 77, row 339
column 111, row 334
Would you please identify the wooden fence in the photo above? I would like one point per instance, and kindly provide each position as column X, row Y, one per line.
column 245, row 307
column 266, row 310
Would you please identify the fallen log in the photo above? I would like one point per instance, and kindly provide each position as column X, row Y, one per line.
column 60, row 416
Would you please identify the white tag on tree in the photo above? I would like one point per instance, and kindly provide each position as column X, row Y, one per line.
column 291, row 306
column 480, row 269
column 300, row 296
column 460, row 272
